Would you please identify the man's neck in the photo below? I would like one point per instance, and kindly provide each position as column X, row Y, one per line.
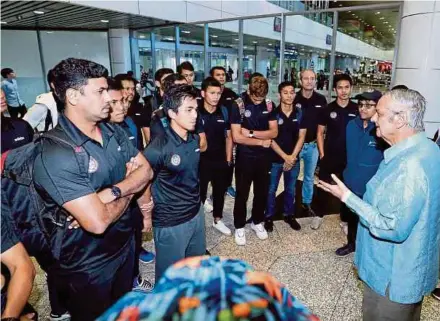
column 208, row 107
column 342, row 102
column 183, row 133
column 306, row 93
column 366, row 121
column 401, row 137
column 88, row 128
column 286, row 108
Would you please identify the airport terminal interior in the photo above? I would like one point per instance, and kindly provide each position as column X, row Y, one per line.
column 372, row 41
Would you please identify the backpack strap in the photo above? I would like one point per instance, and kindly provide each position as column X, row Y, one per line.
column 241, row 107
column 269, row 105
column 48, row 122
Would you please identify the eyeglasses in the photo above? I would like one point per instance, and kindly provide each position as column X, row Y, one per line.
column 366, row 106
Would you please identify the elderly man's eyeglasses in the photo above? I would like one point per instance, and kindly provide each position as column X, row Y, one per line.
column 366, row 106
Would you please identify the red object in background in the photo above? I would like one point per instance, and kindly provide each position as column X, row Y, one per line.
column 3, row 160
column 384, row 66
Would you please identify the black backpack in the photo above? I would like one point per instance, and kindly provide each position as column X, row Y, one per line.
column 41, row 231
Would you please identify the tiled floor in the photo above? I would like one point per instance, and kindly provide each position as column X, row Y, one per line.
column 304, row 261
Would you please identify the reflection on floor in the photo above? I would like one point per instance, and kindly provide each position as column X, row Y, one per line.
column 304, row 261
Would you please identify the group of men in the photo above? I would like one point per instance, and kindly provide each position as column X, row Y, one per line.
column 149, row 167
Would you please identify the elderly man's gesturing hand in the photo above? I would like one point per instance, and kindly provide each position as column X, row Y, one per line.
column 337, row 190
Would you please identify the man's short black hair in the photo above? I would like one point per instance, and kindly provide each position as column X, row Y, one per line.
column 169, row 81
column 130, row 73
column 161, row 72
column 341, row 77
column 285, row 84
column 74, row 73
column 400, row 87
column 114, row 84
column 127, row 77
column 211, row 72
column 210, row 82
column 175, row 96
column 185, row 65
column 6, row 71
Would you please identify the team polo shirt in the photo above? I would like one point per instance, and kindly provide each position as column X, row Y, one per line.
column 15, row 133
column 254, row 117
column 9, row 236
column 58, row 177
column 288, row 131
column 312, row 107
column 336, row 118
column 140, row 114
column 215, row 126
column 132, row 132
column 227, row 98
column 175, row 190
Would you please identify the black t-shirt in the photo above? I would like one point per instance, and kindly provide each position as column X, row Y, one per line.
column 254, row 117
column 15, row 133
column 58, row 178
column 9, row 236
column 288, row 131
column 176, row 188
column 215, row 126
column 227, row 98
column 312, row 107
column 140, row 114
column 336, row 118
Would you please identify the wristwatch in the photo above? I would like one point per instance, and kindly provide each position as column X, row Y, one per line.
column 116, row 191
column 251, row 134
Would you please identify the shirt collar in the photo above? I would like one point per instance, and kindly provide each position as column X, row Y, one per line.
column 177, row 140
column 77, row 136
column 400, row 147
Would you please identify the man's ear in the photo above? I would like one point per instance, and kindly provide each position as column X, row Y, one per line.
column 172, row 114
column 157, row 83
column 203, row 93
column 401, row 120
column 72, row 96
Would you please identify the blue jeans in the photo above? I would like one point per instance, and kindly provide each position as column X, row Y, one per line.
column 310, row 155
column 290, row 178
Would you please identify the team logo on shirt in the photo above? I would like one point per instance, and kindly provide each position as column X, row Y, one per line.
column 280, row 121
column 318, row 106
column 93, row 165
column 333, row 115
column 18, row 139
column 175, row 160
column 247, row 113
column 298, row 105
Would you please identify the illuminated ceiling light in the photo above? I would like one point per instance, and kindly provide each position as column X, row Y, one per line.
column 340, row 4
column 214, row 36
column 104, row 21
column 186, row 31
column 3, row 22
column 378, row 12
column 236, row 39
column 254, row 41
column 349, row 11
column 38, row 12
column 49, row 32
column 381, row 18
column 270, row 44
column 386, row 22
column 141, row 36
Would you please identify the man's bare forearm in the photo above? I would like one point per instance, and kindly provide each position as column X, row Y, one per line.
column 136, row 181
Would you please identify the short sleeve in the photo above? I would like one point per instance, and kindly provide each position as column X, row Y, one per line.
column 273, row 113
column 235, row 114
column 323, row 116
column 199, row 124
column 57, row 172
column 153, row 154
column 132, row 151
column 9, row 236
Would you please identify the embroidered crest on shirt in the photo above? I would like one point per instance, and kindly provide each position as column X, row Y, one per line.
column 298, row 105
column 247, row 113
column 269, row 105
column 333, row 115
column 280, row 121
column 175, row 160
column 93, row 165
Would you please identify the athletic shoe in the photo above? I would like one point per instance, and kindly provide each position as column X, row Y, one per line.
column 268, row 226
column 259, row 230
column 293, row 223
column 60, row 317
column 436, row 294
column 344, row 227
column 220, row 226
column 345, row 250
column 309, row 210
column 142, row 285
column 146, row 256
column 316, row 222
column 240, row 236
column 231, row 192
column 207, row 206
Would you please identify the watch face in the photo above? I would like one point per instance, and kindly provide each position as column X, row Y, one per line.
column 116, row 191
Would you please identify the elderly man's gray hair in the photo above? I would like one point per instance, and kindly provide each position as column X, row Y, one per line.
column 411, row 103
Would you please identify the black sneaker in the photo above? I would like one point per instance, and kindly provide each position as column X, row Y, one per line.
column 436, row 294
column 345, row 250
column 207, row 252
column 292, row 222
column 309, row 210
column 268, row 225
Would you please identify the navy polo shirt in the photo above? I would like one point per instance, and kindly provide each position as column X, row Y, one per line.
column 175, row 190
column 336, row 119
column 15, row 133
column 215, row 126
column 132, row 132
column 255, row 117
column 312, row 107
column 140, row 114
column 288, row 131
column 9, row 237
column 227, row 98
column 58, row 177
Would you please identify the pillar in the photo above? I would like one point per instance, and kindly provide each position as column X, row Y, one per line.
column 262, row 60
column 120, row 50
column 418, row 63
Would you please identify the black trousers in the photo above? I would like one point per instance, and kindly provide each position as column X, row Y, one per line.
column 138, row 226
column 14, row 111
column 250, row 170
column 89, row 294
column 216, row 172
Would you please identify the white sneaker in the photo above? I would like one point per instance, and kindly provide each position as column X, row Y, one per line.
column 344, row 227
column 316, row 222
column 220, row 226
column 259, row 230
column 207, row 206
column 240, row 237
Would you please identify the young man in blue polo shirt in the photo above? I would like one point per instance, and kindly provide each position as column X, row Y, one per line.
column 364, row 154
column 177, row 219
column 16, row 105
